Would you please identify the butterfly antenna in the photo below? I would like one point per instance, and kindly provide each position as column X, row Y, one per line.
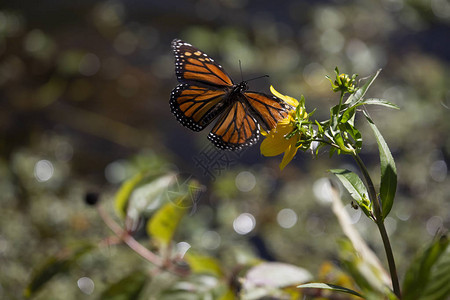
column 242, row 76
column 240, row 68
column 258, row 77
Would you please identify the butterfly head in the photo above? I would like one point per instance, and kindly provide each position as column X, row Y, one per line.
column 240, row 87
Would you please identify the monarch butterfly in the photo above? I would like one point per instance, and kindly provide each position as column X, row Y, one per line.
column 206, row 92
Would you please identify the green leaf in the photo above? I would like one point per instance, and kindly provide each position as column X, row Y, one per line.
column 376, row 101
column 359, row 94
column 123, row 195
column 332, row 151
column 348, row 115
column 369, row 277
column 319, row 127
column 355, row 134
column 428, row 275
column 352, row 183
column 57, row 264
column 142, row 191
column 335, row 109
column 355, row 187
column 337, row 288
column 338, row 139
column 126, row 288
column 202, row 264
column 227, row 295
column 164, row 222
column 438, row 286
column 388, row 184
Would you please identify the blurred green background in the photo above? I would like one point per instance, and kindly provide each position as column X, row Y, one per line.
column 84, row 91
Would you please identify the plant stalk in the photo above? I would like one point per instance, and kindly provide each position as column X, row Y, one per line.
column 380, row 224
column 336, row 117
column 138, row 248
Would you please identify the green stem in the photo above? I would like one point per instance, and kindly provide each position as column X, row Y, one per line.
column 380, row 224
column 390, row 258
column 335, row 117
column 340, row 105
column 370, row 186
column 340, row 102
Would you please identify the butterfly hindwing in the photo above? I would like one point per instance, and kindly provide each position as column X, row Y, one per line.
column 236, row 128
column 193, row 66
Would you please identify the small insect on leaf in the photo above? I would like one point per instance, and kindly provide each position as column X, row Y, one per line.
column 355, row 187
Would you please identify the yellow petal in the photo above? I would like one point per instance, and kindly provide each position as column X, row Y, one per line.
column 273, row 146
column 288, row 155
column 275, row 143
column 291, row 101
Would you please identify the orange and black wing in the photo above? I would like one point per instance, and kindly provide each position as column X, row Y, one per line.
column 206, row 91
column 267, row 110
column 195, row 107
column 236, row 128
column 194, row 67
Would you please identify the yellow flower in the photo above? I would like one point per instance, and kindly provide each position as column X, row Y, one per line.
column 276, row 142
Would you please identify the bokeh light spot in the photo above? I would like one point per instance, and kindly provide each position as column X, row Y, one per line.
column 332, row 40
column 126, row 42
column 402, row 214
column 35, row 41
column 63, row 151
column 287, row 218
column 322, row 191
column 441, row 8
column 244, row 223
column 313, row 74
column 329, row 18
column 89, row 65
column 43, row 170
column 115, row 172
column 358, row 52
column 86, row 285
column 438, row 170
column 210, row 240
column 110, row 14
column 315, row 226
column 245, row 181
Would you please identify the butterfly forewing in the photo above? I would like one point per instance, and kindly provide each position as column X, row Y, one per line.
column 193, row 66
column 268, row 110
column 195, row 106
